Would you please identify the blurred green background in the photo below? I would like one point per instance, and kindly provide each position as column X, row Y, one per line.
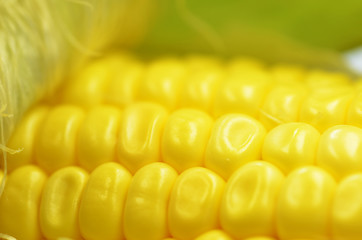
column 307, row 31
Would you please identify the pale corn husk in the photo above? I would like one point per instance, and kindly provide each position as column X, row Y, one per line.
column 41, row 42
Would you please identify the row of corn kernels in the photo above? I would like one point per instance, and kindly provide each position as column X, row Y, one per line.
column 273, row 95
column 145, row 132
column 156, row 203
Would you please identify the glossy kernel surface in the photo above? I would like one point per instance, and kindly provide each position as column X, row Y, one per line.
column 19, row 216
column 235, row 140
column 340, row 150
column 194, row 203
column 56, row 143
column 250, row 199
column 185, row 137
column 59, row 207
column 291, row 145
column 145, row 215
column 102, row 205
column 347, row 209
column 97, row 137
column 140, row 135
column 304, row 205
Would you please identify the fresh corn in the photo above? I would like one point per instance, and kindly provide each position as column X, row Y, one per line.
column 189, row 149
column 272, row 95
column 145, row 132
column 156, row 203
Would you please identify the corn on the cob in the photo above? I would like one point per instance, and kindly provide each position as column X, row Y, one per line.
column 144, row 133
column 272, row 95
column 188, row 136
column 258, row 200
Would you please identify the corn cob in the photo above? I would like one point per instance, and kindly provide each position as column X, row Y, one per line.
column 156, row 202
column 145, row 132
column 272, row 95
column 210, row 184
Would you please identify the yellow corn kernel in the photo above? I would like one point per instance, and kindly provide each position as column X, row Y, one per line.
column 140, row 135
column 235, row 140
column 340, row 150
column 145, row 214
column 102, row 204
column 250, row 198
column 162, row 82
column 214, row 235
column 282, row 105
column 98, row 136
column 244, row 93
column 89, row 85
column 347, row 209
column 326, row 107
column 185, row 137
column 124, row 83
column 194, row 203
column 56, row 142
column 200, row 88
column 19, row 203
column 24, row 137
column 290, row 146
column 304, row 205
column 59, row 207
column 354, row 114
